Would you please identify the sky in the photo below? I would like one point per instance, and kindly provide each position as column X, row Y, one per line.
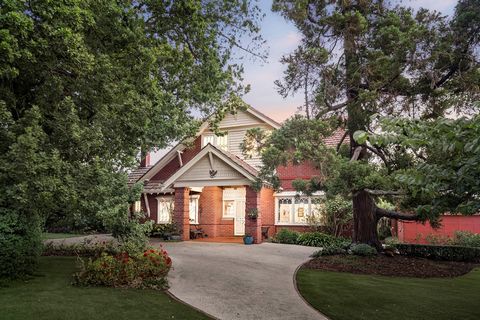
column 282, row 38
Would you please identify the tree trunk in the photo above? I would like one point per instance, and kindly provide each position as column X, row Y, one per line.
column 365, row 220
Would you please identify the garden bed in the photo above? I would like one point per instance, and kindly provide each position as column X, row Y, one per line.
column 398, row 266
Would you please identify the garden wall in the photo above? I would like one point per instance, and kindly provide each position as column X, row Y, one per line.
column 415, row 232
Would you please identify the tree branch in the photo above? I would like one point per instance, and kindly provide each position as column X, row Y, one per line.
column 384, row 192
column 356, row 153
column 395, row 215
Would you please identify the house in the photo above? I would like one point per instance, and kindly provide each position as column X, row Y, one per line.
column 207, row 183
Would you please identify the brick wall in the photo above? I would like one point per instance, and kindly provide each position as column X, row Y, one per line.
column 289, row 173
column 181, row 212
column 210, row 213
column 267, row 209
column 416, row 232
column 174, row 164
column 152, row 201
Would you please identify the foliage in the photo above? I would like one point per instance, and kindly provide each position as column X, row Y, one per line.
column 362, row 249
column 252, row 213
column 132, row 233
column 467, row 239
column 86, row 84
column 20, row 244
column 449, row 253
column 337, row 215
column 145, row 270
column 391, row 241
column 163, row 230
column 318, row 239
column 359, row 59
column 87, row 248
column 332, row 249
column 286, row 236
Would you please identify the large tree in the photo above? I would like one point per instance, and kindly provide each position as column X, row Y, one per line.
column 360, row 58
column 84, row 84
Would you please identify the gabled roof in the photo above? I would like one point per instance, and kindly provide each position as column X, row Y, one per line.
column 233, row 161
column 170, row 155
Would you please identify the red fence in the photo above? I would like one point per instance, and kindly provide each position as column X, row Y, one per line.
column 415, row 232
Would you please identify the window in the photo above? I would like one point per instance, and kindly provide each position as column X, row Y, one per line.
column 229, row 208
column 233, row 200
column 193, row 210
column 285, row 209
column 137, row 206
column 165, row 209
column 217, row 141
column 291, row 209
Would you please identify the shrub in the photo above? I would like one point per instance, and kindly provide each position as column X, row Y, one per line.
column 449, row 253
column 286, row 236
column 132, row 233
column 20, row 244
column 145, row 270
column 163, row 231
column 438, row 239
column 317, row 239
column 334, row 216
column 362, row 249
column 467, row 239
column 389, row 241
column 88, row 248
column 332, row 249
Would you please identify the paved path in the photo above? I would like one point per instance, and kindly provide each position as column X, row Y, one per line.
column 234, row 281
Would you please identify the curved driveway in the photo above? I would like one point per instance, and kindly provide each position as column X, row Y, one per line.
column 234, row 281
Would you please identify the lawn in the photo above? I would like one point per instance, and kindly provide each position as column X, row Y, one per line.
column 350, row 296
column 50, row 296
column 48, row 235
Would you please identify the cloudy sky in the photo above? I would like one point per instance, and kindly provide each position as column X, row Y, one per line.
column 282, row 38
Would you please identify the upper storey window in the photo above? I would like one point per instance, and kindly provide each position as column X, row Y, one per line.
column 217, row 141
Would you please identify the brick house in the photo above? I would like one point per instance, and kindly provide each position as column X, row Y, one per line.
column 207, row 184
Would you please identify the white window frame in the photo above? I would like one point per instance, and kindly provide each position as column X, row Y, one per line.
column 161, row 200
column 137, row 207
column 235, row 198
column 193, row 198
column 292, row 196
column 220, row 142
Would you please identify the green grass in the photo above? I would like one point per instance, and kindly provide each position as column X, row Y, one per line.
column 48, row 235
column 350, row 296
column 51, row 296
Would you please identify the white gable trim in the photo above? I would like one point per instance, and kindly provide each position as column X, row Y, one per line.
column 208, row 150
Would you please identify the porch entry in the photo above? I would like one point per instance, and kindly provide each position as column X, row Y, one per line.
column 234, row 207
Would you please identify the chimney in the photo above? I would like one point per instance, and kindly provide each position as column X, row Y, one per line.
column 144, row 159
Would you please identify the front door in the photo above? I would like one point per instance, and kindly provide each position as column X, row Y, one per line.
column 239, row 223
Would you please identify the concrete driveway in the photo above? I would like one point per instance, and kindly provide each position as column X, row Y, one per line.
column 233, row 281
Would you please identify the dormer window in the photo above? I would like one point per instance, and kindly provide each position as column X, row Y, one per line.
column 220, row 142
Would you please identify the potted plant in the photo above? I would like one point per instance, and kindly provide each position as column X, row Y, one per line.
column 252, row 213
column 248, row 239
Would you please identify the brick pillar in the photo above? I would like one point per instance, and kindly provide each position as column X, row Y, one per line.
column 181, row 212
column 253, row 226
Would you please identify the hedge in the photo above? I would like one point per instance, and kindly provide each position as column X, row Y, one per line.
column 448, row 253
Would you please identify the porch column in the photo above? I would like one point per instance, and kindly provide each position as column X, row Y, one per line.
column 181, row 212
column 253, row 226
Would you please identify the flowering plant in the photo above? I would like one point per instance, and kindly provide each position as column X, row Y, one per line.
column 145, row 270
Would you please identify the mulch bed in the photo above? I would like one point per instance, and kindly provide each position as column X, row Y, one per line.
column 398, row 266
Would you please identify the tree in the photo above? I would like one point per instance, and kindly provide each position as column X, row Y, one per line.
column 370, row 58
column 85, row 84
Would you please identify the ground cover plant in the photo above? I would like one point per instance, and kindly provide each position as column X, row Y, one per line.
column 49, row 295
column 343, row 296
